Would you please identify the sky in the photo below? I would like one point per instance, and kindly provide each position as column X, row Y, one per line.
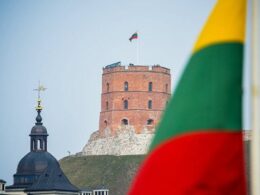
column 65, row 45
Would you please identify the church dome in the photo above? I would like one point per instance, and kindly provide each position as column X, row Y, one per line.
column 38, row 160
column 39, row 130
column 32, row 166
column 35, row 163
column 38, row 170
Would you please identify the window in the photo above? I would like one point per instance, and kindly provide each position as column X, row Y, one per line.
column 150, row 86
column 33, row 144
column 125, row 104
column 150, row 122
column 107, row 87
column 150, row 104
column 126, row 86
column 38, row 144
column 105, row 123
column 124, row 122
column 106, row 105
column 166, row 88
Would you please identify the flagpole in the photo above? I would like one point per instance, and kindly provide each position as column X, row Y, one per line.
column 137, row 49
column 255, row 142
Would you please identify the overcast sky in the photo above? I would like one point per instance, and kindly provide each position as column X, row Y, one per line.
column 65, row 45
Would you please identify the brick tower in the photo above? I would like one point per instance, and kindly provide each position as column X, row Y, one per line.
column 134, row 96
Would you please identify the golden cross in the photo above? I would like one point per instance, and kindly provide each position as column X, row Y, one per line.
column 39, row 89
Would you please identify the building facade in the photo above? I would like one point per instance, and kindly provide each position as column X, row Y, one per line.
column 96, row 191
column 2, row 186
column 133, row 95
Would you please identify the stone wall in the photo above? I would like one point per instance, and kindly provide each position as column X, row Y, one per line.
column 124, row 142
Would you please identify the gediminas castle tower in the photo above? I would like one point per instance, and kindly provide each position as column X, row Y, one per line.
column 133, row 95
column 132, row 101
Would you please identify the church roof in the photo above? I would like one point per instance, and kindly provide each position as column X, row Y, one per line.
column 39, row 130
column 53, row 179
column 35, row 163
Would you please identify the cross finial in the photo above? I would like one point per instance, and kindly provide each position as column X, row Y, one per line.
column 39, row 89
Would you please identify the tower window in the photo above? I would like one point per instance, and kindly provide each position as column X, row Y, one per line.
column 107, row 87
column 166, row 88
column 124, row 122
column 150, row 104
column 126, row 86
column 125, row 104
column 105, row 123
column 150, row 86
column 150, row 122
column 106, row 105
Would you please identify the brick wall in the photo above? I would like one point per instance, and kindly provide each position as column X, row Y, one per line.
column 115, row 93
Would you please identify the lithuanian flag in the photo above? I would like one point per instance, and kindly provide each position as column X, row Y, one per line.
column 134, row 36
column 198, row 146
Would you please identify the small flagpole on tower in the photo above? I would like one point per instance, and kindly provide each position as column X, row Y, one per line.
column 255, row 142
column 135, row 36
column 137, row 49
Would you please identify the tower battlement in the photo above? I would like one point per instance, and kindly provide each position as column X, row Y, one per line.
column 117, row 67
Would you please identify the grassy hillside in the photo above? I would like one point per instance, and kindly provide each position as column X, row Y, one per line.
column 114, row 172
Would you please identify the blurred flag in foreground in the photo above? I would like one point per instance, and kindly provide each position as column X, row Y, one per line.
column 198, row 147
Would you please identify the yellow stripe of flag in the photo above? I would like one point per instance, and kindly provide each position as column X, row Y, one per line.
column 224, row 24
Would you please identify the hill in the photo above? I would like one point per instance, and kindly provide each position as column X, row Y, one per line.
column 114, row 172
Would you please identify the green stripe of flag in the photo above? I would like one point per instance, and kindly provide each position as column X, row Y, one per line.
column 208, row 95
